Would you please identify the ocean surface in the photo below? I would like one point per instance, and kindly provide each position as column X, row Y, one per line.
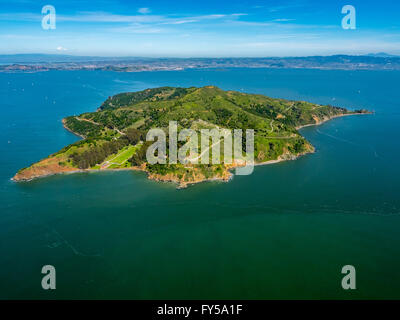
column 285, row 231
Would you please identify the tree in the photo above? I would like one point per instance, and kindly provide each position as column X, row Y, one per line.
column 133, row 135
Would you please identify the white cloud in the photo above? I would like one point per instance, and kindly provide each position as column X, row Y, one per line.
column 60, row 48
column 155, row 24
column 181, row 21
column 20, row 16
column 138, row 28
column 282, row 8
column 144, row 10
column 283, row 20
column 99, row 16
column 144, row 17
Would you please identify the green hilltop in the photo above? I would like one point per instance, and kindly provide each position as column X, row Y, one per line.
column 114, row 135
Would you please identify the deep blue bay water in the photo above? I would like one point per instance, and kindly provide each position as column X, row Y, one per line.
column 283, row 232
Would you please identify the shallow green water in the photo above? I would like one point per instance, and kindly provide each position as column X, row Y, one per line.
column 283, row 232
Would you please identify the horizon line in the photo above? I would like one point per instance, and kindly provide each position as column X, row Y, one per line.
column 372, row 54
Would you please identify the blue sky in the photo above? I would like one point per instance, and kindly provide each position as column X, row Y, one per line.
column 207, row 28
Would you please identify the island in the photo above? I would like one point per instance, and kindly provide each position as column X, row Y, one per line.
column 114, row 137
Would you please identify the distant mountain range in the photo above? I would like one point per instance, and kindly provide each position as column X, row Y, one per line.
column 46, row 62
column 382, row 55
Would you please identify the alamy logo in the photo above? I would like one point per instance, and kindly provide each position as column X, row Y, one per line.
column 349, row 280
column 206, row 150
column 49, row 280
column 49, row 20
column 349, row 20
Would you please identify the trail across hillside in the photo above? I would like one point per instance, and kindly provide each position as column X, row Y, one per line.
column 98, row 124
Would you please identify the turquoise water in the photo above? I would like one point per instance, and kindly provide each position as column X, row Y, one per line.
column 283, row 232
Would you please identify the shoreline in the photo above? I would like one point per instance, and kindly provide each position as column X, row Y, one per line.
column 180, row 184
column 68, row 129
column 75, row 171
column 333, row 117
